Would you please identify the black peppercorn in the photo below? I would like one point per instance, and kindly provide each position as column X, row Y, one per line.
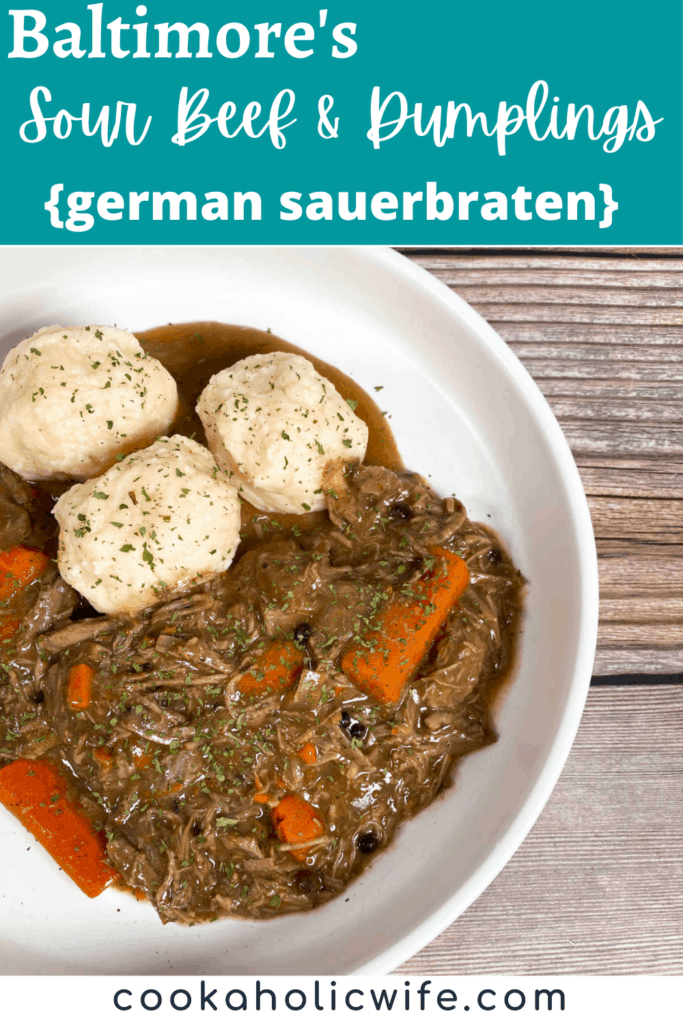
column 400, row 511
column 345, row 719
column 367, row 842
column 495, row 556
column 308, row 882
column 302, row 633
column 357, row 730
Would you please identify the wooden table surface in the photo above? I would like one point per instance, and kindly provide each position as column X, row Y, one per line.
column 597, row 886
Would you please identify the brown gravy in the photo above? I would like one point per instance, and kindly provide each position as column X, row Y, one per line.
column 193, row 353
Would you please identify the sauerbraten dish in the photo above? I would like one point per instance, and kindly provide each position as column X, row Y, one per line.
column 238, row 657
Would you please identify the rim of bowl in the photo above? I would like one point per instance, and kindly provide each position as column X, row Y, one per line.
column 587, row 570
column 395, row 953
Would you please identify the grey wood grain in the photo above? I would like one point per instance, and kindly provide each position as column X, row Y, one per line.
column 586, row 274
column 602, row 335
column 661, row 316
column 633, row 477
column 573, row 294
column 597, row 886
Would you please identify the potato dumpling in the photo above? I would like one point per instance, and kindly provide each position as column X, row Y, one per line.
column 275, row 423
column 72, row 398
column 159, row 521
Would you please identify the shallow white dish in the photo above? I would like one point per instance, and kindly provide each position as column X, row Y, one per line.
column 465, row 413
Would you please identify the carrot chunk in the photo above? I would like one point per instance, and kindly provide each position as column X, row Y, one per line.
column 297, row 821
column 36, row 794
column 79, row 687
column 8, row 627
column 276, row 669
column 308, row 753
column 19, row 566
column 141, row 758
column 387, row 657
column 104, row 757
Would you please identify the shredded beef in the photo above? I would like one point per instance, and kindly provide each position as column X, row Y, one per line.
column 187, row 751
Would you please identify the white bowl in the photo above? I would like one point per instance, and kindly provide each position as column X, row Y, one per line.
column 465, row 413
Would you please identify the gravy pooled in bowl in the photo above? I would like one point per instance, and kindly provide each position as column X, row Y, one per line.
column 246, row 748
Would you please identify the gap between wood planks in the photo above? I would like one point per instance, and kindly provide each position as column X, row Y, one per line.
column 612, row 251
column 639, row 679
column 601, row 332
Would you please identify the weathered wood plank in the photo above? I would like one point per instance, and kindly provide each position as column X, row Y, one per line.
column 622, row 393
column 664, row 316
column 510, row 296
column 630, row 659
column 611, row 436
column 634, row 409
column 658, row 521
column 590, row 333
column 504, row 273
column 661, row 635
column 578, row 352
column 651, row 608
column 441, row 264
column 597, row 886
column 631, row 477
column 567, row 368
column 628, row 568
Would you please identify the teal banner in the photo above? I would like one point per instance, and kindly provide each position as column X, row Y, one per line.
column 448, row 123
